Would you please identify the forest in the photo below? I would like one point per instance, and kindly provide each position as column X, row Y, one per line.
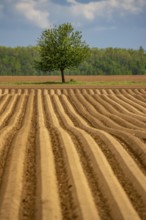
column 108, row 61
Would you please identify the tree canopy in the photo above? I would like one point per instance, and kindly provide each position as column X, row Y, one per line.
column 108, row 61
column 61, row 48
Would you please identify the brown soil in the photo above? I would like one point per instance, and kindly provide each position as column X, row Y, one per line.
column 45, row 79
column 73, row 153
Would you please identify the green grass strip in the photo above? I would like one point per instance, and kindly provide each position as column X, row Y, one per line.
column 104, row 83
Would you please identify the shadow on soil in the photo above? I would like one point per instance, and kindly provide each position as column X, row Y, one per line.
column 48, row 83
column 42, row 83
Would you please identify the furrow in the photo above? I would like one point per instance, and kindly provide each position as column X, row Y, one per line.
column 130, row 91
column 128, row 162
column 79, row 184
column 67, row 196
column 88, row 117
column 112, row 107
column 109, row 120
column 9, row 131
column 122, row 119
column 126, row 104
column 3, row 102
column 131, row 165
column 72, row 153
column 47, row 200
column 117, row 115
column 12, row 92
column 97, row 91
column 143, row 91
column 137, row 91
column 5, row 116
column 135, row 145
column 141, row 98
column 136, row 100
column 6, row 91
column 97, row 105
column 121, row 207
column 100, row 121
column 27, row 204
column 138, row 107
column 12, row 185
column 113, row 99
column 123, row 91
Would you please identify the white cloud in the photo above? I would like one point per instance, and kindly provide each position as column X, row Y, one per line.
column 105, row 8
column 34, row 12
column 45, row 13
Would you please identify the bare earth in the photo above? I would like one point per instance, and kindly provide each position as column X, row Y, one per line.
column 137, row 78
column 45, row 81
column 72, row 153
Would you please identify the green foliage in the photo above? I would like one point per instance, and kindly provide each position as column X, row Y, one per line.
column 114, row 61
column 17, row 61
column 60, row 48
column 109, row 61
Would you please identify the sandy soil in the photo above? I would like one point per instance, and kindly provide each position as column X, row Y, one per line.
column 72, row 153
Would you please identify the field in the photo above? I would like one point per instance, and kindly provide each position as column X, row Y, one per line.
column 72, row 152
column 74, row 81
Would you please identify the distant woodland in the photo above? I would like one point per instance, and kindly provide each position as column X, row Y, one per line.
column 109, row 61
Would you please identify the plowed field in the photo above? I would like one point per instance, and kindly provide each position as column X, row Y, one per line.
column 73, row 153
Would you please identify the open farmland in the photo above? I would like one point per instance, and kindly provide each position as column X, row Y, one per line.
column 119, row 81
column 73, row 153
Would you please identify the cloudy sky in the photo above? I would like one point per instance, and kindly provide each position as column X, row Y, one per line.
column 103, row 23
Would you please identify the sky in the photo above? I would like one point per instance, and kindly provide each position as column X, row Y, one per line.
column 103, row 23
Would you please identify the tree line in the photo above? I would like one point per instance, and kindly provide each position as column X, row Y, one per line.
column 108, row 61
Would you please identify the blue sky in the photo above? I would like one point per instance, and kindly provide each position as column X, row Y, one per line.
column 103, row 23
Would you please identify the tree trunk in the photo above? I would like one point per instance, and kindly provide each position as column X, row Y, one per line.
column 62, row 75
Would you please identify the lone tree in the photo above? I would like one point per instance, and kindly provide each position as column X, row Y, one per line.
column 60, row 48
